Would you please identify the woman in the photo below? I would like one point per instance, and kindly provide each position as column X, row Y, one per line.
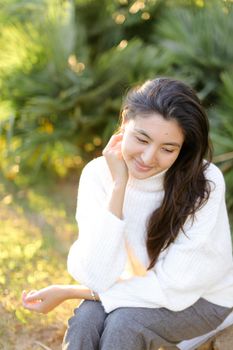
column 154, row 249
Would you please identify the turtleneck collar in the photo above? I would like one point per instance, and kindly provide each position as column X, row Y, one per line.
column 150, row 184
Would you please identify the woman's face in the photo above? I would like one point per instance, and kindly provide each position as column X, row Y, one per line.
column 150, row 144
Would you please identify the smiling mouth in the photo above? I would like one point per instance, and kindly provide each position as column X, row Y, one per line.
column 142, row 167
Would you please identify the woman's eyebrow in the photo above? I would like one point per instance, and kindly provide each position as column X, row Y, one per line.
column 142, row 132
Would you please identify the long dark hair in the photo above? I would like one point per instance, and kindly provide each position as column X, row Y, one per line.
column 185, row 187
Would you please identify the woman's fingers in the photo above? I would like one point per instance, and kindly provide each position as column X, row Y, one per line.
column 114, row 158
column 31, row 299
column 114, row 140
column 32, row 302
column 33, row 296
column 31, row 293
column 37, row 306
column 43, row 300
column 29, row 306
column 113, row 148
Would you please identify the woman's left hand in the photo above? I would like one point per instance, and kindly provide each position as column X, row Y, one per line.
column 45, row 299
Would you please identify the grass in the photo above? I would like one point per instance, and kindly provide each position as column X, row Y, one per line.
column 37, row 227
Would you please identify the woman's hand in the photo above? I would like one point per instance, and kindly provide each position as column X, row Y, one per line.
column 45, row 299
column 119, row 171
column 115, row 161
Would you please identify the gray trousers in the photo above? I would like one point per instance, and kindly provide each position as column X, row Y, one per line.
column 129, row 328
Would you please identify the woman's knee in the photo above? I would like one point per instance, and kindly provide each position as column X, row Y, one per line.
column 120, row 322
column 121, row 332
column 118, row 319
column 88, row 315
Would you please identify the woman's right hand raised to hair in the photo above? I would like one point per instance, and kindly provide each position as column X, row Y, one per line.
column 113, row 155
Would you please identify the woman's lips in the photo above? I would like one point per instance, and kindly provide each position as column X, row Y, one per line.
column 141, row 167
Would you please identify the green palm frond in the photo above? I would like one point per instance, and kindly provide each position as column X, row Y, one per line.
column 199, row 41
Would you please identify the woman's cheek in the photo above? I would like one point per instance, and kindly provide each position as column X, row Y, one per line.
column 123, row 149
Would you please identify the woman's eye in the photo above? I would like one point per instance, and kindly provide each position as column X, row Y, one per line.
column 141, row 140
column 168, row 150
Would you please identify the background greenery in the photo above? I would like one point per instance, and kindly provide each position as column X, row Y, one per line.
column 64, row 67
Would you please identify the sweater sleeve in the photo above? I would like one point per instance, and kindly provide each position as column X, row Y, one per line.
column 190, row 266
column 98, row 257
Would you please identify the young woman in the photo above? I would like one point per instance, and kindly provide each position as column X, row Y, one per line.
column 154, row 252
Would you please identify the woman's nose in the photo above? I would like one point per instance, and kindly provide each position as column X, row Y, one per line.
column 149, row 157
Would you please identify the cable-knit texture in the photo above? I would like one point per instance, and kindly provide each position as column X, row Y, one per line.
column 110, row 254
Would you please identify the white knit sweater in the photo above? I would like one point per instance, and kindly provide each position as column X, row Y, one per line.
column 198, row 264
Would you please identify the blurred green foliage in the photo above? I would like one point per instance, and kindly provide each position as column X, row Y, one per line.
column 65, row 65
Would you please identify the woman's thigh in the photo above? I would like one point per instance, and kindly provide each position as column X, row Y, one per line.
column 200, row 318
column 158, row 327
